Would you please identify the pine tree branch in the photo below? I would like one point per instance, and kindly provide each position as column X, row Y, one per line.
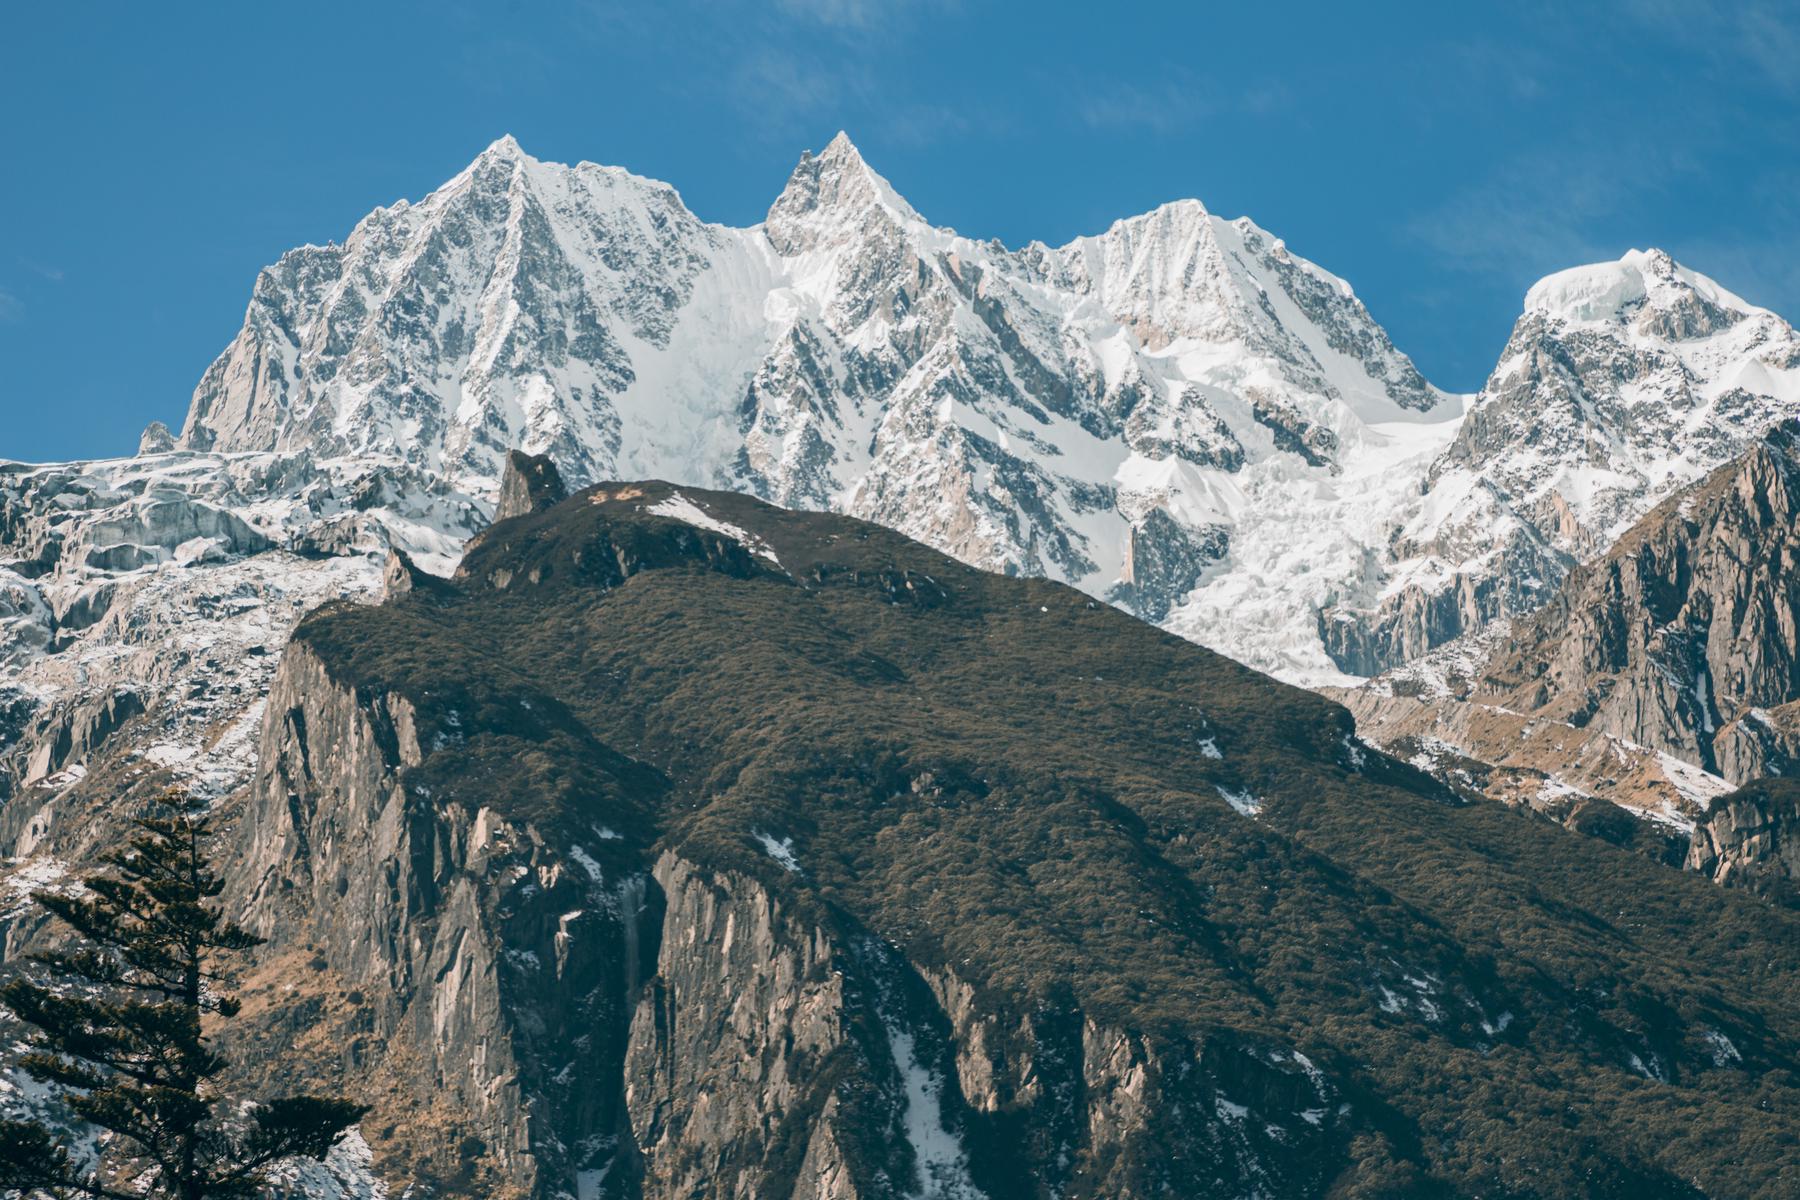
column 32, row 1162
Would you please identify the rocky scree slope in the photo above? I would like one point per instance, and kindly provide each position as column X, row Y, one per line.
column 1659, row 674
column 680, row 841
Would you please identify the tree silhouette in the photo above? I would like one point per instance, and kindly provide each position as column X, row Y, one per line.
column 117, row 1036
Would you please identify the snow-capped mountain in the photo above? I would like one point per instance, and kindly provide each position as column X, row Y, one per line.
column 1177, row 414
column 1126, row 413
column 1622, row 383
column 567, row 308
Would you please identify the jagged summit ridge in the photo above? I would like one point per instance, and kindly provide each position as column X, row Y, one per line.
column 502, row 309
column 1092, row 413
column 837, row 187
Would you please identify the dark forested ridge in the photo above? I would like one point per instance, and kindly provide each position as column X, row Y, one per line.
column 1150, row 922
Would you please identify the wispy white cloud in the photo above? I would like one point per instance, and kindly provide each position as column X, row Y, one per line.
column 1763, row 34
column 1517, row 71
column 1161, row 109
column 1763, row 270
column 1761, row 264
column 11, row 308
column 1541, row 212
column 860, row 15
column 1176, row 105
column 919, row 125
column 794, row 67
column 782, row 85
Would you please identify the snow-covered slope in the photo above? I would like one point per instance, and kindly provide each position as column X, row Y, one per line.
column 1622, row 383
column 1176, row 403
column 574, row 309
column 160, row 590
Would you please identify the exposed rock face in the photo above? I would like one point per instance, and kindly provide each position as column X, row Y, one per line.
column 156, row 439
column 732, row 1044
column 1748, row 840
column 1415, row 619
column 740, row 1049
column 1163, row 563
column 1582, row 778
column 1760, row 743
column 582, row 918
column 493, row 970
column 1661, row 672
column 529, row 483
column 400, row 576
column 1686, row 625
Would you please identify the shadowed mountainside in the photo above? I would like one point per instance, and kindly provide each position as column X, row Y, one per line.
column 685, row 841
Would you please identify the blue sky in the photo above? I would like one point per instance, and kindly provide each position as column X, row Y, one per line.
column 1440, row 157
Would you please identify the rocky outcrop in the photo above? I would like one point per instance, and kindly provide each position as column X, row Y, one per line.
column 1410, row 622
column 773, row 1053
column 156, row 439
column 399, row 575
column 71, row 734
column 1751, row 839
column 1660, row 673
column 1163, row 562
column 734, row 1072
column 491, row 967
column 1759, row 743
column 1107, row 1111
column 528, row 484
column 1689, row 622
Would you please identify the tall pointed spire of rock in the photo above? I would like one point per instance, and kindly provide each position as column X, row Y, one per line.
column 838, row 187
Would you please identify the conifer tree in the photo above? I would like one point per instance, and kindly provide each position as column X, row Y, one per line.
column 119, row 1036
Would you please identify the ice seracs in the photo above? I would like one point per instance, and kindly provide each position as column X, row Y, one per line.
column 155, row 594
column 1614, row 292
